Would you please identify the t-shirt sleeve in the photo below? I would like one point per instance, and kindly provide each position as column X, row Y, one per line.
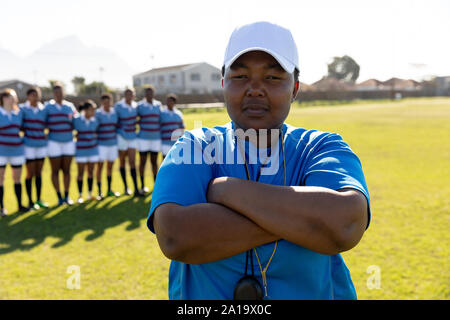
column 332, row 164
column 181, row 179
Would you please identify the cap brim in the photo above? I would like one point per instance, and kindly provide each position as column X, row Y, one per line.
column 285, row 64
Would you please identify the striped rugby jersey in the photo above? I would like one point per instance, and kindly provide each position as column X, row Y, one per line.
column 170, row 121
column 34, row 124
column 86, row 145
column 107, row 127
column 11, row 144
column 127, row 116
column 149, row 120
column 59, row 120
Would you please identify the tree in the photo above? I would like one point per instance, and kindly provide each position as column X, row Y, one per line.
column 88, row 89
column 343, row 68
column 78, row 84
column 94, row 88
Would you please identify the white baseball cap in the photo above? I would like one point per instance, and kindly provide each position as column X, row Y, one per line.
column 263, row 36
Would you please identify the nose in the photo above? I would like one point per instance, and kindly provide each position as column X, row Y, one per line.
column 255, row 89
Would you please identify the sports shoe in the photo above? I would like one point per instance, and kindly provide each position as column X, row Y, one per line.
column 3, row 212
column 140, row 193
column 100, row 197
column 89, row 197
column 113, row 194
column 128, row 192
column 80, row 200
column 61, row 201
column 145, row 190
column 22, row 209
column 68, row 201
column 41, row 204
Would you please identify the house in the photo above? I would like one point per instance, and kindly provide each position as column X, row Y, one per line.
column 442, row 86
column 371, row 85
column 21, row 87
column 194, row 78
column 331, row 84
column 402, row 84
column 306, row 87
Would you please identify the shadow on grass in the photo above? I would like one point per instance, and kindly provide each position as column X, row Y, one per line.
column 26, row 231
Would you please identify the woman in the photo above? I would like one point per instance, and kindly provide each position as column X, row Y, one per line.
column 86, row 154
column 280, row 235
column 172, row 125
column 107, row 142
column 11, row 145
column 126, row 110
column 61, row 147
column 149, row 136
column 35, row 140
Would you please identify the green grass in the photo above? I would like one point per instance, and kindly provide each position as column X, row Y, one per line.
column 404, row 147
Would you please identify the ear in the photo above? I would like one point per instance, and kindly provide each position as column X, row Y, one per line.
column 296, row 90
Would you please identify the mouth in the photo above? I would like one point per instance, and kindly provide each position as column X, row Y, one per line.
column 255, row 110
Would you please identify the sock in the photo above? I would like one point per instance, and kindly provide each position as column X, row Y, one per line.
column 99, row 186
column 18, row 191
column 142, row 181
column 59, row 195
column 1, row 197
column 66, row 194
column 28, row 185
column 80, row 187
column 109, row 183
column 133, row 175
column 90, row 182
column 38, row 182
column 124, row 178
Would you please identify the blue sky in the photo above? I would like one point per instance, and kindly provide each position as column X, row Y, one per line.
column 404, row 38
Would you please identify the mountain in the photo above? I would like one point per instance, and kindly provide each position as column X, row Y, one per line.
column 65, row 58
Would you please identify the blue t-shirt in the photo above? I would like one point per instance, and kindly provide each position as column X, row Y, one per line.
column 127, row 115
column 34, row 124
column 59, row 120
column 11, row 143
column 86, row 145
column 313, row 158
column 171, row 120
column 149, row 120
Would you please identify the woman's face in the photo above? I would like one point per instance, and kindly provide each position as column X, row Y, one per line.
column 106, row 103
column 258, row 91
column 89, row 112
column 10, row 101
column 129, row 96
column 58, row 94
column 34, row 98
column 170, row 102
column 149, row 94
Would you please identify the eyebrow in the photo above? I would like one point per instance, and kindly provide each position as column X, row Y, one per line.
column 238, row 65
column 275, row 66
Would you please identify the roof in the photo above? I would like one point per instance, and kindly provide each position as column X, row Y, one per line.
column 401, row 83
column 370, row 83
column 169, row 68
column 4, row 83
column 331, row 84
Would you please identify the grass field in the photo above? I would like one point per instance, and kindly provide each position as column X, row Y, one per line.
column 404, row 147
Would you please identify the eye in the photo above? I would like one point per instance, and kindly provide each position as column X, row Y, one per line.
column 271, row 77
column 239, row 76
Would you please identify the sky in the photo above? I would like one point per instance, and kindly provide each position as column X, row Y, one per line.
column 402, row 38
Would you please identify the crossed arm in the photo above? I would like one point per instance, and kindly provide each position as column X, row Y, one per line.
column 242, row 214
